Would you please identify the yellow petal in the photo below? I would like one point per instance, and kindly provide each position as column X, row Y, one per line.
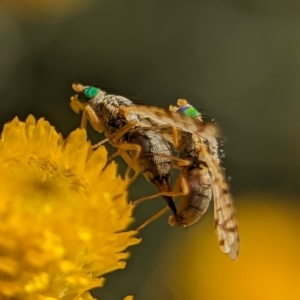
column 62, row 217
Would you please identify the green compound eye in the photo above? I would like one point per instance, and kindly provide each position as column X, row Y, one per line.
column 192, row 112
column 91, row 92
column 189, row 111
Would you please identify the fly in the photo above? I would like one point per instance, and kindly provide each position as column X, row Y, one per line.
column 136, row 142
column 202, row 177
column 209, row 153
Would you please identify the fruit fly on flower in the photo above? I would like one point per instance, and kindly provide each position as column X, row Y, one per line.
column 144, row 150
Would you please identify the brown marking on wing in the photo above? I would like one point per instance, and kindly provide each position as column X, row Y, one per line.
column 225, row 221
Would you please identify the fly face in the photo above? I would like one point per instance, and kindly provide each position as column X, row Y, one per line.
column 88, row 99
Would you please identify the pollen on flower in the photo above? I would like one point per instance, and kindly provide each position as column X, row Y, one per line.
column 62, row 217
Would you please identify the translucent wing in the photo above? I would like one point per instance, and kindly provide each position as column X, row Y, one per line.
column 225, row 221
column 161, row 116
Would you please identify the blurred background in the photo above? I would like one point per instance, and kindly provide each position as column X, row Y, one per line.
column 238, row 60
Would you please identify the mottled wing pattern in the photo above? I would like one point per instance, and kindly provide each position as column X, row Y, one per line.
column 162, row 116
column 225, row 221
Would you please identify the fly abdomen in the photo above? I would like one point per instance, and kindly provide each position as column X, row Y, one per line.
column 155, row 168
column 194, row 203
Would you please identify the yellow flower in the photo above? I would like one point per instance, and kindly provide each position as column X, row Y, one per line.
column 62, row 217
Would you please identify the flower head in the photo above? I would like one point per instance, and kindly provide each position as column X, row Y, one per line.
column 62, row 216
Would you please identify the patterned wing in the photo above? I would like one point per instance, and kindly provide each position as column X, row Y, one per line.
column 161, row 116
column 225, row 221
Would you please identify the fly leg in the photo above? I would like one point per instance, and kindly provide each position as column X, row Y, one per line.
column 87, row 114
column 170, row 194
column 77, row 107
column 180, row 162
column 131, row 161
column 118, row 135
column 100, row 144
column 176, row 192
column 153, row 218
column 166, row 194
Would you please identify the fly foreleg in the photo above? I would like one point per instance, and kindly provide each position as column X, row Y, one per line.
column 130, row 160
column 119, row 134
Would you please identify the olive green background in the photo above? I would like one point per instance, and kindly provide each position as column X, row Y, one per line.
column 237, row 60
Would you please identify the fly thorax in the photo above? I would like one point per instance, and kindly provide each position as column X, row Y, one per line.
column 113, row 103
column 98, row 99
